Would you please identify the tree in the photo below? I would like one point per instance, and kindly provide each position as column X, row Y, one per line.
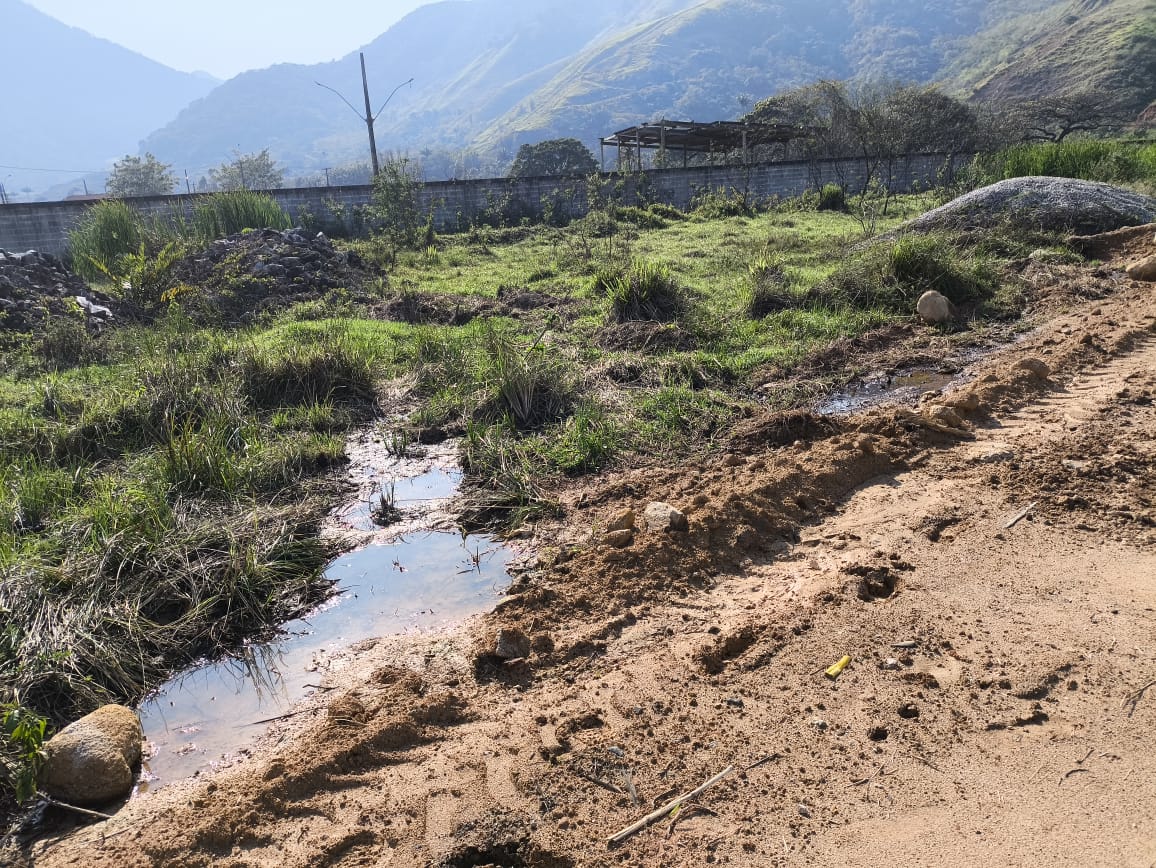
column 140, row 176
column 553, row 157
column 248, row 172
column 1054, row 118
column 395, row 201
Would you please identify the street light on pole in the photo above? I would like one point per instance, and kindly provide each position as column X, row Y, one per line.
column 370, row 117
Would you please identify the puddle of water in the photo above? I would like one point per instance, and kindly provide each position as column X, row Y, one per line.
column 409, row 494
column 416, row 584
column 905, row 388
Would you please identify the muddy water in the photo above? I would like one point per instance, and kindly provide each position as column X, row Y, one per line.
column 902, row 388
column 400, row 579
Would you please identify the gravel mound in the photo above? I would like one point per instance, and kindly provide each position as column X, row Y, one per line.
column 36, row 286
column 1049, row 204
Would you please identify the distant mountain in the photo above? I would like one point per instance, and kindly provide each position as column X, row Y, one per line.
column 1107, row 46
column 490, row 75
column 73, row 101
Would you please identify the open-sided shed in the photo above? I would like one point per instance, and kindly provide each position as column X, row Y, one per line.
column 690, row 137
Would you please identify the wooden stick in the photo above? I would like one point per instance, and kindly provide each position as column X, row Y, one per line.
column 1019, row 516
column 73, row 808
column 656, row 815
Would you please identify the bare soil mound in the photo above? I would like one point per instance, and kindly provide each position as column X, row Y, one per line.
column 1042, row 204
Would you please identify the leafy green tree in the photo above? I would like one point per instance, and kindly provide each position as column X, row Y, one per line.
column 395, row 203
column 248, row 172
column 553, row 157
column 140, row 176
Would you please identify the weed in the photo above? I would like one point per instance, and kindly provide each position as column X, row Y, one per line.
column 22, row 735
column 227, row 213
column 832, row 198
column 108, row 231
column 647, row 291
column 384, row 510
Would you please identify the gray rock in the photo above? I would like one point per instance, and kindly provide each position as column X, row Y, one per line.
column 624, row 520
column 93, row 761
column 1053, row 204
column 664, row 517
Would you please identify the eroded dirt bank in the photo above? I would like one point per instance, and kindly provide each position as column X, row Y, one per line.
column 998, row 708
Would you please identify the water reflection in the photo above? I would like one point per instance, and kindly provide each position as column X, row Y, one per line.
column 414, row 584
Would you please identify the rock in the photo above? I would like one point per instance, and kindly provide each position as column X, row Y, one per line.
column 620, row 539
column 934, row 307
column 942, row 415
column 664, row 517
column 511, row 644
column 991, row 452
column 1051, row 204
column 1143, row 269
column 623, row 521
column 968, row 402
column 819, row 724
column 1037, row 367
column 93, row 761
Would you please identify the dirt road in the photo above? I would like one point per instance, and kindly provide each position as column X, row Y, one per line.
column 998, row 708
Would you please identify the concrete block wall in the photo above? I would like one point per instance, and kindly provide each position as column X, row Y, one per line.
column 45, row 226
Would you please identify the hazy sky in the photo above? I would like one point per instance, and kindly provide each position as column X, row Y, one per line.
column 224, row 37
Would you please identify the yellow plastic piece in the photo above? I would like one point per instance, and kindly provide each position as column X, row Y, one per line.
column 837, row 670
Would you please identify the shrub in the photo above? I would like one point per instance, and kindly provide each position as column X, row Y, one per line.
column 109, row 230
column 219, row 215
column 714, row 204
column 894, row 275
column 646, row 291
column 770, row 289
column 530, row 384
column 832, row 198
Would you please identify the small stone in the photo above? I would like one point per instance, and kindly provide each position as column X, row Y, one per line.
column 890, row 664
column 622, row 521
column 909, row 711
column 511, row 644
column 92, row 761
column 734, row 460
column 968, row 402
column 819, row 724
column 1143, row 269
column 934, row 307
column 620, row 539
column 664, row 517
column 942, row 415
column 1037, row 367
column 734, row 702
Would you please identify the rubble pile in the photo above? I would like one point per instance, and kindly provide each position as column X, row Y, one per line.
column 35, row 287
column 245, row 275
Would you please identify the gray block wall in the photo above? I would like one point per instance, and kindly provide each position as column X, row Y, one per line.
column 45, row 226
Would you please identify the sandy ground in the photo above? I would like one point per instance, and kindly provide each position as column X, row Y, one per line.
column 998, row 708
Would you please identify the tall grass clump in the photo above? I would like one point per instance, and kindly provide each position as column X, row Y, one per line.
column 893, row 275
column 1086, row 159
column 645, row 291
column 226, row 213
column 107, row 232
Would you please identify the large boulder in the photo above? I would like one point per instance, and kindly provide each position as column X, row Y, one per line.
column 934, row 307
column 93, row 761
column 1051, row 204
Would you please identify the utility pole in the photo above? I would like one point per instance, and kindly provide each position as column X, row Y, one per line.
column 369, row 119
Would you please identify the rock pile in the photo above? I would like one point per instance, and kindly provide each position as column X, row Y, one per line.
column 36, row 286
column 251, row 273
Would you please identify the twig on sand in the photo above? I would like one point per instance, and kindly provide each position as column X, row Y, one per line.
column 1020, row 516
column 687, row 811
column 277, row 718
column 1133, row 699
column 1068, row 774
column 656, row 815
column 83, row 811
column 769, row 758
